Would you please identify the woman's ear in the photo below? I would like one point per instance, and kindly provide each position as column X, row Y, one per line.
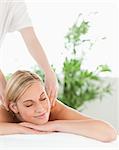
column 13, row 107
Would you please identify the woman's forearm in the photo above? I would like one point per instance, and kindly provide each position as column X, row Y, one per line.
column 15, row 128
column 9, row 128
column 95, row 129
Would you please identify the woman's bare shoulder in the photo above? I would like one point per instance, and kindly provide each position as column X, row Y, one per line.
column 62, row 112
column 57, row 110
column 5, row 116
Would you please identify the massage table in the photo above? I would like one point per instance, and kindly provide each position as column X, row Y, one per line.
column 55, row 140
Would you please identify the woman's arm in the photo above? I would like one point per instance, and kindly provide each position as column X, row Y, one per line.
column 66, row 119
column 8, row 125
column 62, row 112
column 15, row 128
column 72, row 121
column 91, row 128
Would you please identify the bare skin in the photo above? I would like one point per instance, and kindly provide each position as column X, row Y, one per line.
column 36, row 50
column 37, row 115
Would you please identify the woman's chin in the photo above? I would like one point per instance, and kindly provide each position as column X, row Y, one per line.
column 41, row 121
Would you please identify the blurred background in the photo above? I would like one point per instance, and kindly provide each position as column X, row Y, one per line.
column 80, row 39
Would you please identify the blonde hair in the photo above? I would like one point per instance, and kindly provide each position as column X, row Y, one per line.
column 18, row 84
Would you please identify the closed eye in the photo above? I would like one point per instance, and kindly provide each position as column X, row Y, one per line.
column 29, row 105
column 43, row 99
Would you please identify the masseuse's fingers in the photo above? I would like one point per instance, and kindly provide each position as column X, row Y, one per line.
column 55, row 98
column 51, row 86
column 2, row 100
column 52, row 94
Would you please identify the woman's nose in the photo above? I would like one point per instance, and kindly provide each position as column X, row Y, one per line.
column 39, row 108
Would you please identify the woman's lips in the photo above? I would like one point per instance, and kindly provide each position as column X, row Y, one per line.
column 41, row 116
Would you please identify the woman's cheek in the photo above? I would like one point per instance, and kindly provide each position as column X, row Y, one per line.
column 27, row 113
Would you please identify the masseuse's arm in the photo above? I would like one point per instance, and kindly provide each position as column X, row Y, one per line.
column 39, row 55
column 72, row 121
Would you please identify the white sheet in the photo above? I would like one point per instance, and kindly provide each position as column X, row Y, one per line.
column 53, row 141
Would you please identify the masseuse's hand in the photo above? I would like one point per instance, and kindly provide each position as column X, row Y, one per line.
column 2, row 98
column 51, row 86
column 2, row 89
column 47, row 127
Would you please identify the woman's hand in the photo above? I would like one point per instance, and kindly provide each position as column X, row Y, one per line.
column 48, row 127
column 28, row 130
column 15, row 128
column 51, row 86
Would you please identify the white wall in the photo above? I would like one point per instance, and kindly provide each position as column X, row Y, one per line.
column 51, row 21
column 118, row 104
column 108, row 108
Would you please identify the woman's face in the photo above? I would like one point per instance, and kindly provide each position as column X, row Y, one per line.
column 34, row 105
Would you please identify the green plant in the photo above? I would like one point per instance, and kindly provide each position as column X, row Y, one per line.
column 8, row 76
column 81, row 85
column 38, row 71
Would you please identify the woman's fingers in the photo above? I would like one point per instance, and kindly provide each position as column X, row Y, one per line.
column 30, row 131
column 39, row 128
column 26, row 130
column 48, row 127
column 29, row 125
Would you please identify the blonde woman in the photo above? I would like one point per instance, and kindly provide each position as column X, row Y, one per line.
column 31, row 112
